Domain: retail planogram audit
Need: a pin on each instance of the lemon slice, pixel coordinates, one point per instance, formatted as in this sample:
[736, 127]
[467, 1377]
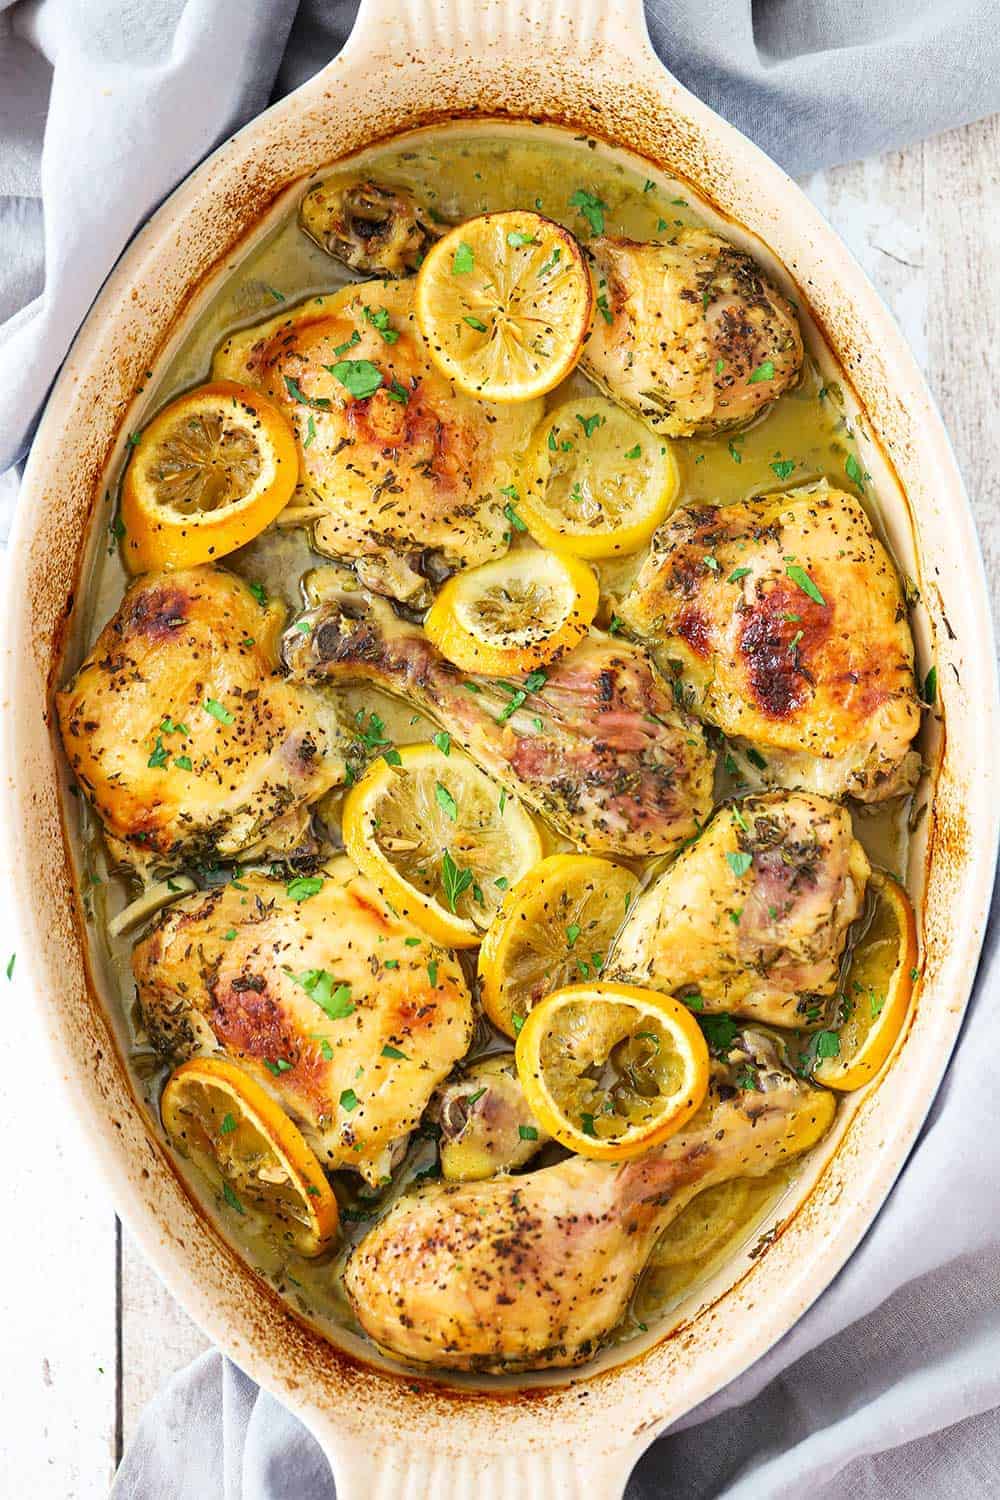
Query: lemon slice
[515, 613]
[504, 302]
[439, 839]
[611, 1070]
[596, 481]
[555, 927]
[243, 1142]
[207, 475]
[876, 991]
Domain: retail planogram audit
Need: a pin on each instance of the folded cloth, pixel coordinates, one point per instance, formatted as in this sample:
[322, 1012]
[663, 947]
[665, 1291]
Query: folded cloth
[885, 1386]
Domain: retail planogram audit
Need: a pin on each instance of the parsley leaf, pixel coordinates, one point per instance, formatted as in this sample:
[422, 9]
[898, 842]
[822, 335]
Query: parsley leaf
[455, 881]
[591, 208]
[463, 260]
[333, 999]
[801, 577]
[358, 376]
[763, 371]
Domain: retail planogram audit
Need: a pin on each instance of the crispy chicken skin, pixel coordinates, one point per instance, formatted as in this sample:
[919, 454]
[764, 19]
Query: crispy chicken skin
[754, 916]
[413, 468]
[823, 691]
[692, 337]
[316, 998]
[599, 749]
[181, 731]
[373, 228]
[534, 1271]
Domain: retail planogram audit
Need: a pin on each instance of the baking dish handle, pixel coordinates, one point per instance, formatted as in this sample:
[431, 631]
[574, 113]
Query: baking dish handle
[383, 1471]
[560, 29]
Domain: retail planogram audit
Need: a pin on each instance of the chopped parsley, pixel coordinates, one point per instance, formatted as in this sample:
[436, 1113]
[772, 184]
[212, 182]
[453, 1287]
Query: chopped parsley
[304, 886]
[763, 371]
[232, 1199]
[800, 577]
[739, 861]
[591, 208]
[358, 376]
[446, 802]
[217, 710]
[463, 260]
[333, 999]
[455, 881]
[321, 403]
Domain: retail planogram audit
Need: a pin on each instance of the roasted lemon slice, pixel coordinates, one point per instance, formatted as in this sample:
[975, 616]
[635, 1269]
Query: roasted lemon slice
[439, 839]
[504, 302]
[515, 613]
[243, 1141]
[596, 481]
[207, 475]
[611, 1070]
[555, 927]
[876, 992]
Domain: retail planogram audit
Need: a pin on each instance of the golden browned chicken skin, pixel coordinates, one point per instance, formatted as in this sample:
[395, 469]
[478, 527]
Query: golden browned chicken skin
[786, 622]
[690, 335]
[752, 918]
[399, 476]
[595, 743]
[183, 734]
[534, 1271]
[321, 998]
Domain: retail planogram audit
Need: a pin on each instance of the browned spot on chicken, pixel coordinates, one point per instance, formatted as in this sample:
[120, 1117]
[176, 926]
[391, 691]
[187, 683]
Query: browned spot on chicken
[157, 613]
[694, 628]
[779, 632]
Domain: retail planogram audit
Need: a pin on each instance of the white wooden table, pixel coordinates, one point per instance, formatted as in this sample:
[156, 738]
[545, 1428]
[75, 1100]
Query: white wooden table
[87, 1333]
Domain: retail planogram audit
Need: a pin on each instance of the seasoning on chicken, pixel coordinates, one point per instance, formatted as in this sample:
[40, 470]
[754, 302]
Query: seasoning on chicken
[182, 732]
[398, 470]
[349, 1016]
[595, 743]
[691, 335]
[753, 918]
[534, 1271]
[785, 621]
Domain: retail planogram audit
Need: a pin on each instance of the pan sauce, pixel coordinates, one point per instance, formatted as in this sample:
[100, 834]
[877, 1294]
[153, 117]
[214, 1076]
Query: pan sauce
[461, 172]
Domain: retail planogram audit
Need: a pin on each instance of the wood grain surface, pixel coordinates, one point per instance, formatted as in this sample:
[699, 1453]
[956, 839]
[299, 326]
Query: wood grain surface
[89, 1334]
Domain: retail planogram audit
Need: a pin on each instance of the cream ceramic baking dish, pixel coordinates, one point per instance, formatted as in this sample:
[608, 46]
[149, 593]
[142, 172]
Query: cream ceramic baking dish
[587, 65]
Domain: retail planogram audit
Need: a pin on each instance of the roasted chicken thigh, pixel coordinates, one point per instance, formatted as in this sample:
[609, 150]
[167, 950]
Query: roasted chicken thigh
[753, 917]
[534, 1271]
[785, 621]
[595, 743]
[346, 1013]
[692, 337]
[183, 734]
[399, 470]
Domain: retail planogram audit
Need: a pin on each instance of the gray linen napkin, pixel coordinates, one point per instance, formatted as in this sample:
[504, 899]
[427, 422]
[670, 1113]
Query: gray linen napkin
[890, 1384]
